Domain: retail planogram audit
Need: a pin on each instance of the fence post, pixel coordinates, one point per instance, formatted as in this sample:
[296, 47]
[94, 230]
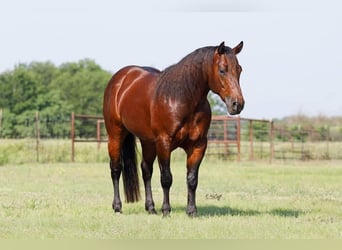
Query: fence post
[225, 137]
[271, 141]
[98, 133]
[238, 137]
[37, 135]
[0, 122]
[251, 149]
[72, 135]
[328, 139]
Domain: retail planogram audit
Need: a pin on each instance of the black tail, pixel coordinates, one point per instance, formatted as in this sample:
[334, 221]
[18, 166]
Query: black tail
[130, 169]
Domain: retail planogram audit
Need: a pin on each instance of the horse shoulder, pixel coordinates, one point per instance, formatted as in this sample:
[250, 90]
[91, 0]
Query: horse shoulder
[200, 122]
[195, 127]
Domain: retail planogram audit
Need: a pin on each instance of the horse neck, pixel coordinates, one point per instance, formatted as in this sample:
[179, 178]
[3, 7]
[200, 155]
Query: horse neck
[203, 69]
[187, 81]
[197, 82]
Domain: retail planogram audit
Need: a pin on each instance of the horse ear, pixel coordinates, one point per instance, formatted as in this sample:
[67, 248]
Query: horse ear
[238, 48]
[221, 49]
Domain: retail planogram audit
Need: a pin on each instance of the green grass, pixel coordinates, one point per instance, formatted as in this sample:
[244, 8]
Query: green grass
[23, 151]
[239, 201]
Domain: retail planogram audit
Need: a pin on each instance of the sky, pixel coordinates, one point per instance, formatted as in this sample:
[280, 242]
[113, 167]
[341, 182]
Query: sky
[291, 60]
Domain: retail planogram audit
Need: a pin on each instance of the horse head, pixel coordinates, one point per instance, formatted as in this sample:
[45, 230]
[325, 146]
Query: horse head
[225, 77]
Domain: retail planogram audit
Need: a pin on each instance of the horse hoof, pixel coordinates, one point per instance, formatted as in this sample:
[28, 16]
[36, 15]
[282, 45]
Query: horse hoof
[152, 211]
[117, 210]
[192, 213]
[166, 214]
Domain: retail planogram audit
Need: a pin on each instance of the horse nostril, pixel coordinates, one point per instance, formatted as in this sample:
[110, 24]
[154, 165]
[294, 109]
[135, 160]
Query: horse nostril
[235, 105]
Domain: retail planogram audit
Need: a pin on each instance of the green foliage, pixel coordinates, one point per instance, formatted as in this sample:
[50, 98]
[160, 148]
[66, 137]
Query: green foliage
[53, 91]
[218, 107]
[261, 130]
[302, 128]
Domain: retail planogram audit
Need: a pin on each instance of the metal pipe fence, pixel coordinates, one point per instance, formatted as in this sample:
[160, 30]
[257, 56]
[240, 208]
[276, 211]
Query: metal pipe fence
[231, 138]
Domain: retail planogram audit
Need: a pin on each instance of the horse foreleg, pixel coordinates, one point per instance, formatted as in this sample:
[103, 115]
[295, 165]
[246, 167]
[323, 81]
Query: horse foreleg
[195, 155]
[149, 155]
[164, 153]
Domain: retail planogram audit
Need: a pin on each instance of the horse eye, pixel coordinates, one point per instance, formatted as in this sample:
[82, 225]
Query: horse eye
[222, 72]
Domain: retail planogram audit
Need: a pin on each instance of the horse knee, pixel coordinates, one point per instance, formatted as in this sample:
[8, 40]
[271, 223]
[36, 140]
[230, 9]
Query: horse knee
[192, 180]
[166, 180]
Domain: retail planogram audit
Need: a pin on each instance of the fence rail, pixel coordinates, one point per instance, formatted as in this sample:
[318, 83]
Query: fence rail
[233, 138]
[241, 138]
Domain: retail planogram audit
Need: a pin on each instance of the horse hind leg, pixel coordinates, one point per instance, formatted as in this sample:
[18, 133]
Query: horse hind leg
[164, 153]
[116, 168]
[148, 157]
[115, 174]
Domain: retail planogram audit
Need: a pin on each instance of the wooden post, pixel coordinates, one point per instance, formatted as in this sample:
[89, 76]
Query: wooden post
[328, 139]
[72, 135]
[0, 121]
[225, 138]
[271, 141]
[37, 135]
[98, 133]
[238, 137]
[251, 148]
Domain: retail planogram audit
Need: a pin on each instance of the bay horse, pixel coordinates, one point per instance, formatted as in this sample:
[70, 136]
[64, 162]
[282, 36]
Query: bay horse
[165, 110]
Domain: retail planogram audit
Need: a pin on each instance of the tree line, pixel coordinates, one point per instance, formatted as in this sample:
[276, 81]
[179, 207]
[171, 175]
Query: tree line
[55, 92]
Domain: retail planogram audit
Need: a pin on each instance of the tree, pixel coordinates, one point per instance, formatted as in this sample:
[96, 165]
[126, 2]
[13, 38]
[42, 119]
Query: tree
[81, 85]
[53, 91]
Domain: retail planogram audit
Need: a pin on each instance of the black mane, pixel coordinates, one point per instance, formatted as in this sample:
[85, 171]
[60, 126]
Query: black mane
[182, 81]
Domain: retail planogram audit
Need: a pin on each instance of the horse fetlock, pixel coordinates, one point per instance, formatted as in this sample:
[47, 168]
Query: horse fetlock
[149, 207]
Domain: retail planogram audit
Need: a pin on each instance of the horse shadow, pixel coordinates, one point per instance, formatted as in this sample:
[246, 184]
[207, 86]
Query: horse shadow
[211, 211]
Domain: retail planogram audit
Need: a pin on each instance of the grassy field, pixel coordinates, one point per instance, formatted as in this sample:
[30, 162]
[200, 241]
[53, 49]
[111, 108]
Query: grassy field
[235, 200]
[23, 151]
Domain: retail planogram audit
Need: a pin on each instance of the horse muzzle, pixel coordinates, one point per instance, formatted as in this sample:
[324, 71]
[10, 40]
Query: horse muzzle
[234, 105]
